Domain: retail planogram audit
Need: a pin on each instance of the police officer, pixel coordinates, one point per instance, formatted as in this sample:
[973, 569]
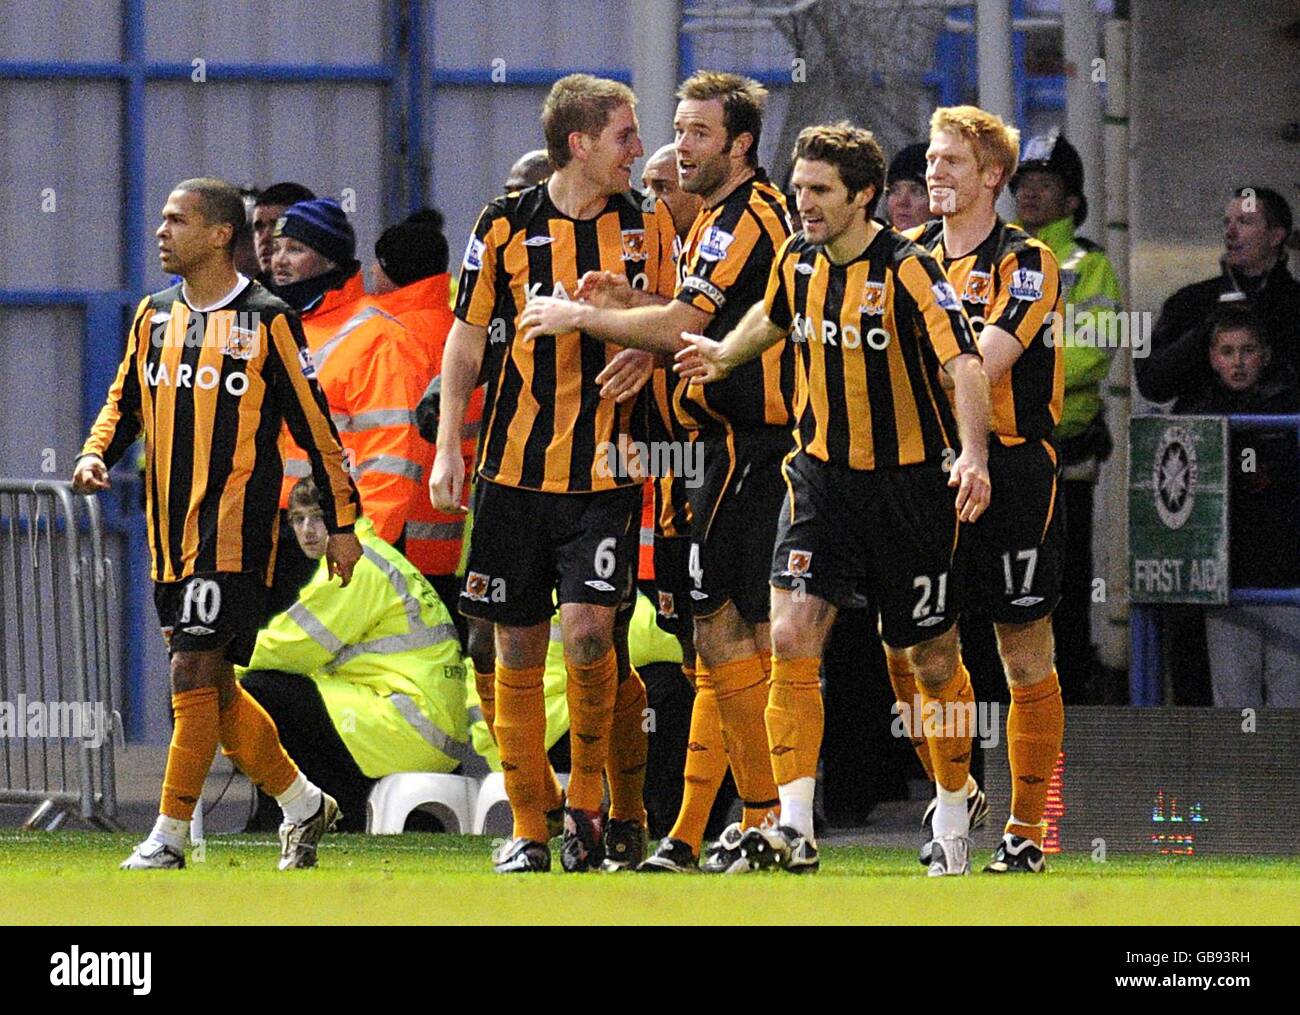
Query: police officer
[1050, 204]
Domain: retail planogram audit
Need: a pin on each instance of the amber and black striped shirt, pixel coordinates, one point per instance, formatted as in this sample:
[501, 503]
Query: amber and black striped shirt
[1012, 280]
[872, 334]
[546, 427]
[723, 271]
[672, 509]
[210, 391]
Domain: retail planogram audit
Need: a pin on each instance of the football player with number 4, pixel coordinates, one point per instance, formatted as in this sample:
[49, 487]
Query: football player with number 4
[868, 508]
[1009, 284]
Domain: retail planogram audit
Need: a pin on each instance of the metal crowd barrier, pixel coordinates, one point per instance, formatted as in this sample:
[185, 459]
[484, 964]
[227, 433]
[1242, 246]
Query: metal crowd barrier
[1146, 663]
[58, 713]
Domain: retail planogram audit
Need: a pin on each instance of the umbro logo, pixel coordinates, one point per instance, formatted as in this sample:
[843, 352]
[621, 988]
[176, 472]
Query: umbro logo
[588, 738]
[695, 745]
[538, 241]
[1032, 780]
[804, 269]
[600, 586]
[697, 594]
[781, 749]
[1027, 601]
[198, 629]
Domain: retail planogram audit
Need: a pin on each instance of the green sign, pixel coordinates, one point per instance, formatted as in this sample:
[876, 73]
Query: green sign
[1178, 509]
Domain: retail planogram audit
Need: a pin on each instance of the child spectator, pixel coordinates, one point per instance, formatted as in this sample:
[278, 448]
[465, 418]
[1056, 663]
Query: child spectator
[1255, 650]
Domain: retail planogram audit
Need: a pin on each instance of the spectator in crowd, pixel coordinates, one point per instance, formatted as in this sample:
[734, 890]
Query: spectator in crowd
[1257, 223]
[362, 681]
[246, 262]
[1050, 204]
[271, 203]
[371, 368]
[1255, 650]
[411, 282]
[531, 168]
[906, 198]
[660, 179]
[1254, 271]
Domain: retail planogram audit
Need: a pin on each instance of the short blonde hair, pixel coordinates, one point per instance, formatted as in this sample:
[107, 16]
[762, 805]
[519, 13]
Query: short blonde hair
[996, 143]
[580, 102]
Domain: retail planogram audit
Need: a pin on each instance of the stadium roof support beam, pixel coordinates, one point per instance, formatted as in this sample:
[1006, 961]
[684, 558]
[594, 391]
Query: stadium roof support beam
[993, 58]
[1081, 39]
[654, 70]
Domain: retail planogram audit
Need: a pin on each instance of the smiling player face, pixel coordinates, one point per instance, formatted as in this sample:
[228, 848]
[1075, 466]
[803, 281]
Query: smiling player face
[953, 177]
[612, 152]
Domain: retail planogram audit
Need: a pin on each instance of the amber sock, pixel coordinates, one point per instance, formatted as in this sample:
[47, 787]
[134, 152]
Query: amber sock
[194, 742]
[795, 718]
[521, 736]
[628, 745]
[950, 754]
[591, 694]
[706, 763]
[742, 698]
[903, 681]
[1035, 731]
[485, 684]
[249, 738]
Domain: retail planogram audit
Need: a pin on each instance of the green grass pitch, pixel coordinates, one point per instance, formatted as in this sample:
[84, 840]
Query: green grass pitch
[71, 878]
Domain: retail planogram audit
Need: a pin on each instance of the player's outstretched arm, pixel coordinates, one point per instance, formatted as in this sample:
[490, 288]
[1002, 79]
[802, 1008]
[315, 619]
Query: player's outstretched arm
[461, 359]
[704, 360]
[970, 472]
[654, 328]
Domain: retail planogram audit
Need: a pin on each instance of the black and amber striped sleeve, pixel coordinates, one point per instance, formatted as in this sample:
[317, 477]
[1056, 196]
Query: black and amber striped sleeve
[665, 281]
[945, 322]
[1029, 285]
[476, 294]
[718, 260]
[302, 405]
[778, 300]
[119, 422]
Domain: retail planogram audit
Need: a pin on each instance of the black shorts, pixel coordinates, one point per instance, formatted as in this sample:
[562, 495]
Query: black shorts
[206, 612]
[734, 514]
[1010, 560]
[674, 608]
[847, 533]
[528, 546]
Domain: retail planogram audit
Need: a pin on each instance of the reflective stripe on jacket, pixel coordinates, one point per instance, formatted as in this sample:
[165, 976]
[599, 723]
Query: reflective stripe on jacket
[372, 371]
[386, 659]
[433, 539]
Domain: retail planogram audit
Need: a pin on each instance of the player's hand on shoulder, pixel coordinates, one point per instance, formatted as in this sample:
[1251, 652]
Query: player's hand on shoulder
[626, 374]
[701, 359]
[605, 289]
[342, 553]
[970, 474]
[90, 475]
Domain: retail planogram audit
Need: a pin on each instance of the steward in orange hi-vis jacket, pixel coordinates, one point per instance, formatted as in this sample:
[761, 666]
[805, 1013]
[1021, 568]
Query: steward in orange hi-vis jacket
[410, 281]
[371, 368]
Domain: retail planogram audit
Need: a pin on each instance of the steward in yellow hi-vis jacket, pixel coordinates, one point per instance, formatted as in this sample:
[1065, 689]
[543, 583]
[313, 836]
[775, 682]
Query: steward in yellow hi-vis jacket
[385, 687]
[646, 643]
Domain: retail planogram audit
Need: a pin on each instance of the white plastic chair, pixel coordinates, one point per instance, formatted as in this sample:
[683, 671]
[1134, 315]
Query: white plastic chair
[492, 794]
[449, 798]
